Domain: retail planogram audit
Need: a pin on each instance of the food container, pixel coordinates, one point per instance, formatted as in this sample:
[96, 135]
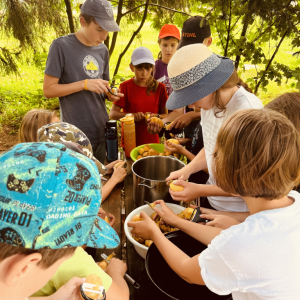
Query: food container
[142, 249]
[158, 147]
[165, 279]
[149, 178]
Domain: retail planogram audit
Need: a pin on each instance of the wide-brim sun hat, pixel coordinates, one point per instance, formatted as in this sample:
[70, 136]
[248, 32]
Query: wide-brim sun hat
[142, 55]
[194, 73]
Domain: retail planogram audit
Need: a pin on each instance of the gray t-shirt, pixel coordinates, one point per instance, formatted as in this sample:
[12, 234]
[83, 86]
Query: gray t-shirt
[71, 61]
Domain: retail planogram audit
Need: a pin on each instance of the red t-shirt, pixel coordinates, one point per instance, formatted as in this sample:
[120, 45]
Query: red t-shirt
[136, 100]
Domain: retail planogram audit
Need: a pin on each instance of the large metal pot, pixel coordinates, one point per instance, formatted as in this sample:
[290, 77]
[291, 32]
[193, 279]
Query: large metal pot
[149, 178]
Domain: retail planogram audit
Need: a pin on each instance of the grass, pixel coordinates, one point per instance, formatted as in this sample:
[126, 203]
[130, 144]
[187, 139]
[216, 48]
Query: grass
[20, 94]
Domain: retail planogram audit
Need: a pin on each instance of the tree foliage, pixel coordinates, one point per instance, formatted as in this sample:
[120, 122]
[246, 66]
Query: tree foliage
[28, 21]
[244, 28]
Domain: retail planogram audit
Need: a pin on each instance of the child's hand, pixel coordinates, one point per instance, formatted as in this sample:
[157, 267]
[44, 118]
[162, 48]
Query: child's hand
[220, 221]
[69, 291]
[102, 214]
[98, 86]
[116, 266]
[153, 128]
[174, 149]
[166, 213]
[190, 192]
[180, 174]
[183, 141]
[144, 229]
[110, 167]
[119, 174]
[181, 122]
[138, 116]
[116, 97]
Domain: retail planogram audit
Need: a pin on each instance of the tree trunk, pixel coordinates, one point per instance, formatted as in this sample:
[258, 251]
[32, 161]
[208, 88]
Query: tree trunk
[70, 15]
[118, 21]
[228, 32]
[131, 40]
[270, 61]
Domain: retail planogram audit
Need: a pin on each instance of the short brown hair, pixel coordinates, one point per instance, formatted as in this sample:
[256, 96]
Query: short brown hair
[288, 104]
[257, 154]
[49, 256]
[166, 38]
[32, 121]
[233, 81]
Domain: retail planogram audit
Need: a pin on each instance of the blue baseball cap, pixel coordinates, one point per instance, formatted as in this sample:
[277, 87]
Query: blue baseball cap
[49, 198]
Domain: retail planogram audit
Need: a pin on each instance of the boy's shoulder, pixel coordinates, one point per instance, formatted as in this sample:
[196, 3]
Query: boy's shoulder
[264, 227]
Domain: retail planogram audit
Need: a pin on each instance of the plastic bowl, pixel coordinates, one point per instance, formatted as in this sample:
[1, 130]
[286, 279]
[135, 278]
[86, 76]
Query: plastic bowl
[142, 249]
[158, 147]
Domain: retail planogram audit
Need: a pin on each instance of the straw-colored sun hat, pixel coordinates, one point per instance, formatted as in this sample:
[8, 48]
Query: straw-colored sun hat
[195, 72]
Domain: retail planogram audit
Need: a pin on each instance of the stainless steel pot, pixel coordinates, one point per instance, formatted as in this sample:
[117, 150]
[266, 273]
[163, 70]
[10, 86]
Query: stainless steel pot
[149, 178]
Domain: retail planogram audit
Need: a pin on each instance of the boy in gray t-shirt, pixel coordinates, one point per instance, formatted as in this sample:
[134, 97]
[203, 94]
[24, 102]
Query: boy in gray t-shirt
[77, 72]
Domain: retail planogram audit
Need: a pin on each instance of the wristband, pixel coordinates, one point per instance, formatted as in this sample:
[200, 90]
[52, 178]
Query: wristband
[85, 84]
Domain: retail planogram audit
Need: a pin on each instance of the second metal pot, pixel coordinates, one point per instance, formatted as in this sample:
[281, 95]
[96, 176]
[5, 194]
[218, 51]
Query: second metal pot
[149, 178]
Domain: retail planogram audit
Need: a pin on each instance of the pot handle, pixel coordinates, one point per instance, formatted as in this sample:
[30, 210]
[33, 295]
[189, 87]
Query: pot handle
[149, 187]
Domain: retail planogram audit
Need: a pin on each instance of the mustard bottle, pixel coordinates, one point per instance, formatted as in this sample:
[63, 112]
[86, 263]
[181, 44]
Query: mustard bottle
[129, 133]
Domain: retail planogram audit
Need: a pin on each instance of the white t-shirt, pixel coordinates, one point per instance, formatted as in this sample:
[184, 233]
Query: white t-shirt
[258, 259]
[211, 127]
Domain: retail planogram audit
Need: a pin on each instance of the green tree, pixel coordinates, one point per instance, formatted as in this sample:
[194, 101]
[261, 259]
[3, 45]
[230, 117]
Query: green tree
[28, 21]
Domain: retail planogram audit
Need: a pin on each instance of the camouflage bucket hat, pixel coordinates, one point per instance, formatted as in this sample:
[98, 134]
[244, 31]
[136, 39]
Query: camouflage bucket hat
[64, 132]
[49, 198]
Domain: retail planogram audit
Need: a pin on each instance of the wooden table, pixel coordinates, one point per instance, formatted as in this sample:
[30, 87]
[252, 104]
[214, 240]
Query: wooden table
[135, 263]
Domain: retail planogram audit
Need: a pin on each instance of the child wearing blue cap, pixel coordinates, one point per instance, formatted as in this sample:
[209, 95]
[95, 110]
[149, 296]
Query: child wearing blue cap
[49, 200]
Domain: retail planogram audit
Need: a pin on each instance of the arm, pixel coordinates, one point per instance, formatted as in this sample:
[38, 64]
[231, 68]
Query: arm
[197, 164]
[240, 216]
[115, 112]
[187, 268]
[119, 289]
[52, 88]
[180, 150]
[192, 191]
[173, 115]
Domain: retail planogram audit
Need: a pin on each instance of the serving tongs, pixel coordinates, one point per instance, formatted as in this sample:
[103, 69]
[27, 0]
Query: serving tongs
[126, 276]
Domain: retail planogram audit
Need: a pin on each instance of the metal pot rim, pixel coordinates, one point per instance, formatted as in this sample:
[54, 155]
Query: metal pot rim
[169, 157]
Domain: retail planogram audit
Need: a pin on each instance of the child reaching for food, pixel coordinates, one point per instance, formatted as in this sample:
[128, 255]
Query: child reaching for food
[142, 94]
[243, 260]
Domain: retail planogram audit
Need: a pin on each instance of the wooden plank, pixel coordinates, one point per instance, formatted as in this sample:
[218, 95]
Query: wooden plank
[113, 205]
[135, 263]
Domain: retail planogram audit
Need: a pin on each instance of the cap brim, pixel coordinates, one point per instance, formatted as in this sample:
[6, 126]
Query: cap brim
[108, 25]
[143, 61]
[170, 34]
[201, 88]
[102, 236]
[101, 168]
[183, 43]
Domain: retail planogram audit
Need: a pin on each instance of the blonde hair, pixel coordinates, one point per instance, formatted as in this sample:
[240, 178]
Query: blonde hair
[257, 154]
[32, 121]
[49, 256]
[233, 81]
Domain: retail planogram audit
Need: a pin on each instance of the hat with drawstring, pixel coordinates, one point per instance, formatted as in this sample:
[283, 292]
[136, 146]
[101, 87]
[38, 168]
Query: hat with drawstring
[194, 73]
[49, 198]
